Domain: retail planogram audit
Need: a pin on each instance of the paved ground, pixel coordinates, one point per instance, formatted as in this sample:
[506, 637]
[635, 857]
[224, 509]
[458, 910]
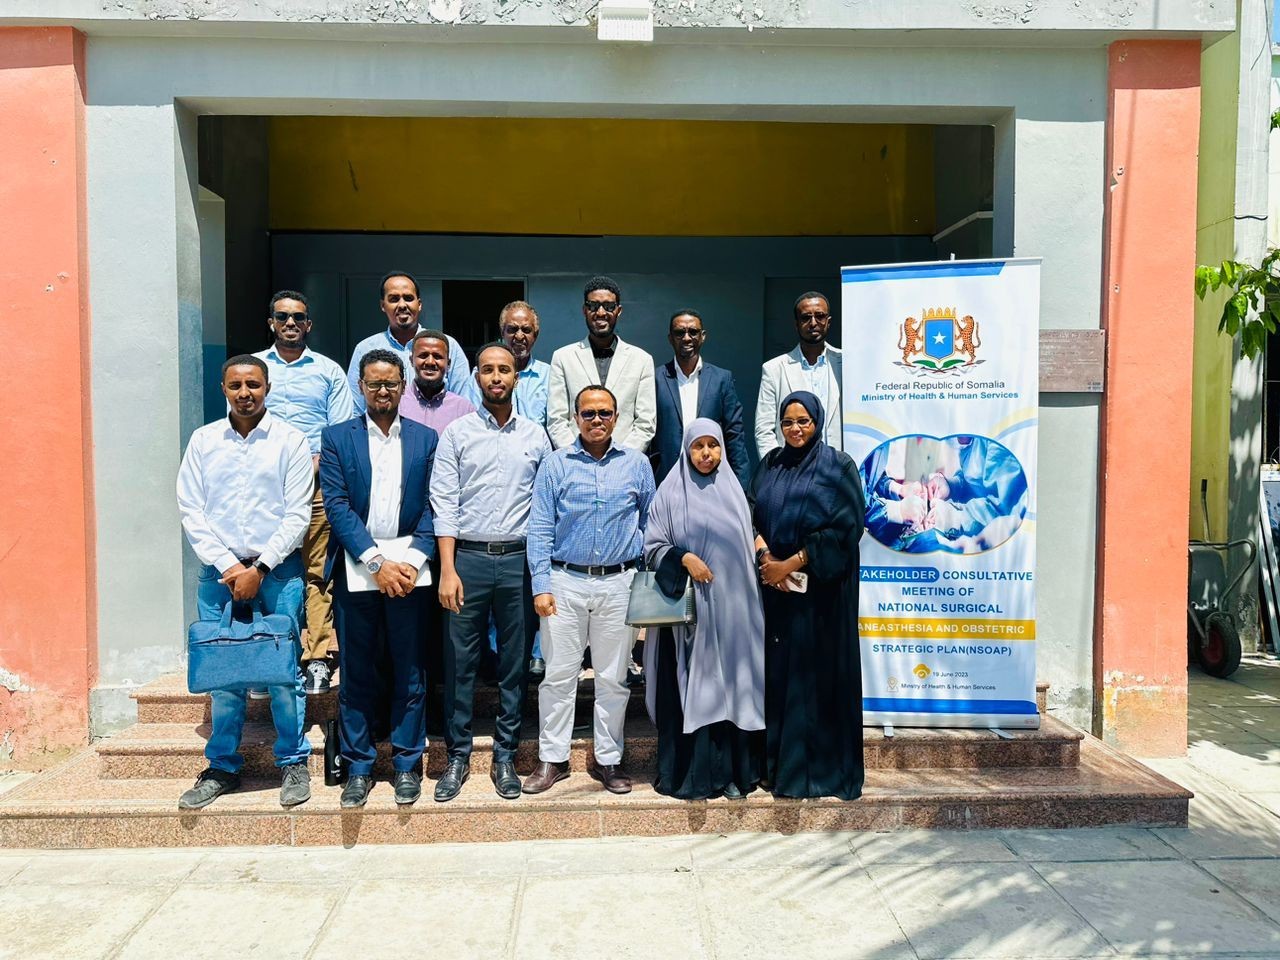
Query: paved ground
[1212, 890]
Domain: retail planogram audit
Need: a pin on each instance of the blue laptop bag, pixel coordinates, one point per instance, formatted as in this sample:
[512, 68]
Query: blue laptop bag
[231, 654]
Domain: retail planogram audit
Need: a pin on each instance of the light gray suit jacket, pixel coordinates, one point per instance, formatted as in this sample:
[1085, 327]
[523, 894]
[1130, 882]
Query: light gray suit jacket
[783, 375]
[630, 378]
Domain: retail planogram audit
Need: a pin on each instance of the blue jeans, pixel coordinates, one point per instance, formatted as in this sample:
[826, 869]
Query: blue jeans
[282, 591]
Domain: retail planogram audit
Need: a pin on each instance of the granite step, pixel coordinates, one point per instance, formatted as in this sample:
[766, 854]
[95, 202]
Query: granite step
[174, 750]
[72, 806]
[166, 700]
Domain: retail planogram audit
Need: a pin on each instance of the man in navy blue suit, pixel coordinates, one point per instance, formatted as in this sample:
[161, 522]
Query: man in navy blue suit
[688, 388]
[375, 472]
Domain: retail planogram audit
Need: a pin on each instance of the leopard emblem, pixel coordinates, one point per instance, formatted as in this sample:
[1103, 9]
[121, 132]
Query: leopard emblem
[910, 339]
[967, 340]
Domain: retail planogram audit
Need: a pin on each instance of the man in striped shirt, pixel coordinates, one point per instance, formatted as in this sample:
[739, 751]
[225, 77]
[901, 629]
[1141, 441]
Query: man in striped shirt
[586, 530]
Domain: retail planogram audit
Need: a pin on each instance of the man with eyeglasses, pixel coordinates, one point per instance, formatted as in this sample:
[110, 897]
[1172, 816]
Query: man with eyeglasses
[401, 303]
[603, 358]
[518, 326]
[689, 388]
[308, 391]
[586, 530]
[376, 473]
[814, 365]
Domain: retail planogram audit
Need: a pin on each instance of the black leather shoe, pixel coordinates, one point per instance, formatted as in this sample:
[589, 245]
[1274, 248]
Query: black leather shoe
[408, 784]
[450, 783]
[356, 792]
[731, 792]
[505, 781]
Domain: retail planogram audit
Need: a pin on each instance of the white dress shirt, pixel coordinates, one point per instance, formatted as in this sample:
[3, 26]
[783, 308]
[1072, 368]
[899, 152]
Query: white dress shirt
[385, 489]
[248, 496]
[688, 387]
[818, 374]
[482, 481]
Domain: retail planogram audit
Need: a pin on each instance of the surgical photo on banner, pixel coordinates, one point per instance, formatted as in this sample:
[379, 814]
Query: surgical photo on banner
[941, 409]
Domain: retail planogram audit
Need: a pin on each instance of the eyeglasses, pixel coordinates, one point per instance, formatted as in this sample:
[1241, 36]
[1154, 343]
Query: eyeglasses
[820, 317]
[377, 386]
[802, 422]
[605, 415]
[511, 330]
[595, 306]
[687, 334]
[281, 316]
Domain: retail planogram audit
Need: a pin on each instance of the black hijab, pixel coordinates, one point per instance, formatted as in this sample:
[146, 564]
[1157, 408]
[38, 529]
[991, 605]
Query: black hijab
[796, 494]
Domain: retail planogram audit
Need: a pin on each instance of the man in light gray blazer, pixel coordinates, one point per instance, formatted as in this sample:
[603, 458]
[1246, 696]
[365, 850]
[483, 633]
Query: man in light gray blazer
[814, 365]
[602, 358]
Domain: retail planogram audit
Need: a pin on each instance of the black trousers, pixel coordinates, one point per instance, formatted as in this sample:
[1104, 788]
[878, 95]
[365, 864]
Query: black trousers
[489, 584]
[377, 630]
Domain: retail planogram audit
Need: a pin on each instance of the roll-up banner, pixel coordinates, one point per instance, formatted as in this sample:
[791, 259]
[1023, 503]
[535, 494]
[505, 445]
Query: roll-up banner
[941, 400]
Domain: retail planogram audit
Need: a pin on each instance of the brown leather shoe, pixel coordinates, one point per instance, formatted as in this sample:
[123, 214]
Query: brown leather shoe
[545, 777]
[611, 775]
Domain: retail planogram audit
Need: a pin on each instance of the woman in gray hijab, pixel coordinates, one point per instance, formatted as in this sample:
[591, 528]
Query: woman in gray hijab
[706, 682]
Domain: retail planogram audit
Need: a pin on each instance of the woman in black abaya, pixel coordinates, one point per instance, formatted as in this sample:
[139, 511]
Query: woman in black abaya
[808, 508]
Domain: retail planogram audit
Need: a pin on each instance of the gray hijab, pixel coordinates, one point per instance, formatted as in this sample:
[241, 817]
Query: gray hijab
[720, 660]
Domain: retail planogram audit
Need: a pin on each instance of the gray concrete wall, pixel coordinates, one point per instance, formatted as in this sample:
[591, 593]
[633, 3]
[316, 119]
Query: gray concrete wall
[998, 18]
[1047, 106]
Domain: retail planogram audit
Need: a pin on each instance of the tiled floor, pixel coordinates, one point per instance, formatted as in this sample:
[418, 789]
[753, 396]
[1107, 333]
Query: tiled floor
[1212, 890]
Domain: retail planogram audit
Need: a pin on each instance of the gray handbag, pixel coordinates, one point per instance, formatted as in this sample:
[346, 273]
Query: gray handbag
[650, 607]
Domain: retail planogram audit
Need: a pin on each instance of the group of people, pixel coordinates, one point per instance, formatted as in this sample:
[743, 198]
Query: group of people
[511, 506]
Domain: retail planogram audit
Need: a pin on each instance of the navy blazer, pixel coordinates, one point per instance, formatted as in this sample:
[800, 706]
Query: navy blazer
[346, 476]
[717, 400]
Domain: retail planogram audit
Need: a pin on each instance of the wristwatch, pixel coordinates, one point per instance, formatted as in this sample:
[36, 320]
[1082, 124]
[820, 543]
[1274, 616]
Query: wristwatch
[261, 567]
[374, 564]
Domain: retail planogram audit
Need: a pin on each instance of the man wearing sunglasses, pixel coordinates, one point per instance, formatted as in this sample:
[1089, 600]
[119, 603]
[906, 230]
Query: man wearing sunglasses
[603, 358]
[586, 530]
[814, 365]
[310, 392]
[689, 388]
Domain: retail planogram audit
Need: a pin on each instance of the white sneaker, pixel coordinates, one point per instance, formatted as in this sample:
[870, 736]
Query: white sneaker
[259, 693]
[316, 678]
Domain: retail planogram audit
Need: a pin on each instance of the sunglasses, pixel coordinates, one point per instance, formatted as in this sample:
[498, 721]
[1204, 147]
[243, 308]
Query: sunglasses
[820, 317]
[592, 306]
[377, 386]
[802, 422]
[605, 415]
[281, 316]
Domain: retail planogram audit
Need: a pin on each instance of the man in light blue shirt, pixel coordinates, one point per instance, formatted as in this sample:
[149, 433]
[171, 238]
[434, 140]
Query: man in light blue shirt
[402, 305]
[586, 531]
[309, 392]
[518, 325]
[481, 489]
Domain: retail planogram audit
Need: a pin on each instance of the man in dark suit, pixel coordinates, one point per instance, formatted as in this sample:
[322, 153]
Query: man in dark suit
[689, 388]
[375, 472]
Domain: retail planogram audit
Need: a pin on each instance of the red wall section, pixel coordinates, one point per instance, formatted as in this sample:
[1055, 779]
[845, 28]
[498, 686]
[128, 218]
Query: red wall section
[48, 642]
[1140, 648]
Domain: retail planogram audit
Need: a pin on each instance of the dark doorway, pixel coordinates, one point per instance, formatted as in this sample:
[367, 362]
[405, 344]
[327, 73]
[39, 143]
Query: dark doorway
[469, 309]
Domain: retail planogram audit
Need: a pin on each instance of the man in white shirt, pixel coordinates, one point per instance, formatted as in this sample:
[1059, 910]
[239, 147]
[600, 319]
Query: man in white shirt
[244, 494]
[481, 490]
[814, 365]
[375, 471]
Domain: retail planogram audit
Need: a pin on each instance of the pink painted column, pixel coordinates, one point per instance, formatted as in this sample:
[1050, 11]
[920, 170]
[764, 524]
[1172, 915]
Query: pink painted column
[1140, 655]
[48, 642]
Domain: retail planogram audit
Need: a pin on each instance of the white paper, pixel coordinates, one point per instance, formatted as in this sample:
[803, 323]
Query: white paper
[359, 579]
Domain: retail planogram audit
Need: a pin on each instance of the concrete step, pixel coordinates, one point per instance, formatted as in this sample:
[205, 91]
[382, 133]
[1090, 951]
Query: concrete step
[73, 806]
[166, 700]
[174, 750]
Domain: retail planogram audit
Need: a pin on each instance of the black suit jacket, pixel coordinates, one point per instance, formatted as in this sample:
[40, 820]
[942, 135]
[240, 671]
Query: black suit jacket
[717, 400]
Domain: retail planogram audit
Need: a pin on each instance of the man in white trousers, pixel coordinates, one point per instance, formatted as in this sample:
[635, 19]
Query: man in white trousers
[586, 530]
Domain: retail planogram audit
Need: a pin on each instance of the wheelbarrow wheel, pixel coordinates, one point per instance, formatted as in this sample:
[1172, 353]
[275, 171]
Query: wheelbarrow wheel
[1219, 654]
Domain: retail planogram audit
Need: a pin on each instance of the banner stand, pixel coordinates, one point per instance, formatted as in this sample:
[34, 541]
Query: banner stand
[941, 406]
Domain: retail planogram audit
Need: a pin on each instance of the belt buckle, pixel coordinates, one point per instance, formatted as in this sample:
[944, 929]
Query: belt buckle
[489, 549]
[599, 570]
